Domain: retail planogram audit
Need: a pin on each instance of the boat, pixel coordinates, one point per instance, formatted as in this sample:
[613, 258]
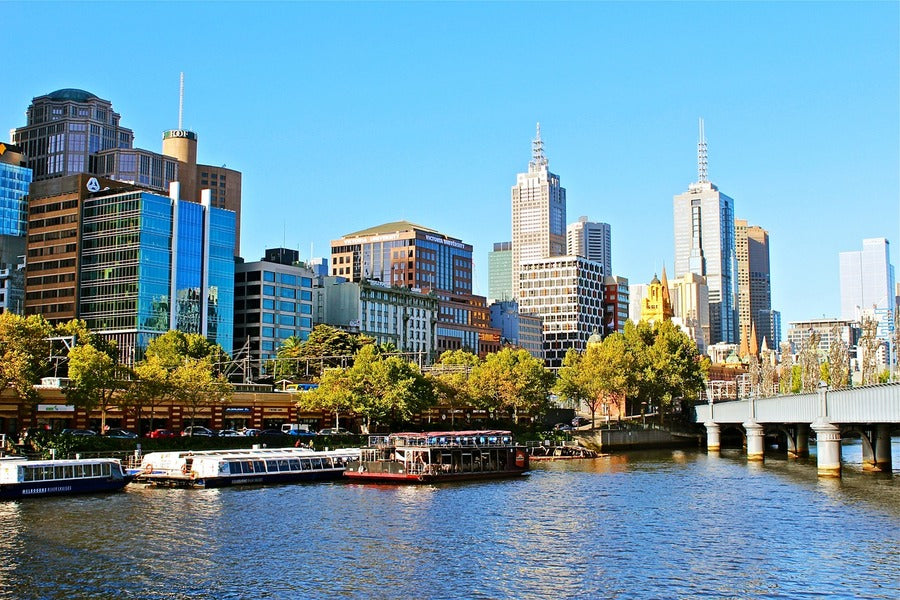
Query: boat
[222, 468]
[23, 478]
[433, 457]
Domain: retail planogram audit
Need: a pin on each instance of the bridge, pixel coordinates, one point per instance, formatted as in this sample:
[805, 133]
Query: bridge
[872, 412]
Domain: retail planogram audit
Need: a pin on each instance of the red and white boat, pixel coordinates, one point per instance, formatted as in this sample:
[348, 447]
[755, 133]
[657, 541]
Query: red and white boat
[437, 456]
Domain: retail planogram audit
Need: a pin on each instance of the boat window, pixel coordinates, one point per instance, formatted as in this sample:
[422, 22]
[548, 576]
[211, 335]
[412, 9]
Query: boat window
[30, 473]
[306, 466]
[79, 470]
[317, 463]
[95, 469]
[104, 469]
[68, 472]
[57, 473]
[271, 466]
[294, 464]
[259, 466]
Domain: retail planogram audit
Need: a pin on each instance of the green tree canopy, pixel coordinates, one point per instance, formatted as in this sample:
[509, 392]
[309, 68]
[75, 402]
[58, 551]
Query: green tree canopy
[450, 380]
[511, 380]
[24, 352]
[174, 347]
[94, 380]
[326, 347]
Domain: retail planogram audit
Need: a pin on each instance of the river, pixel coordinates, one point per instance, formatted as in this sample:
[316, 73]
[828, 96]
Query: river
[662, 524]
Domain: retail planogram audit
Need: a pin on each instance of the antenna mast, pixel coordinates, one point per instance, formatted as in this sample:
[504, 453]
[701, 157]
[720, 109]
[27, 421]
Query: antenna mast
[702, 157]
[181, 102]
[537, 150]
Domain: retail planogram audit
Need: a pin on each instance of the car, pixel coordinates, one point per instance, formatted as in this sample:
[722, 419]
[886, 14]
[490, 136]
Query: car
[122, 434]
[229, 433]
[301, 433]
[334, 431]
[161, 433]
[197, 430]
[270, 432]
[580, 421]
[562, 427]
[78, 432]
[250, 432]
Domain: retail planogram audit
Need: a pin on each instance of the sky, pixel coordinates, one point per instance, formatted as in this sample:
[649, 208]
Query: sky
[343, 116]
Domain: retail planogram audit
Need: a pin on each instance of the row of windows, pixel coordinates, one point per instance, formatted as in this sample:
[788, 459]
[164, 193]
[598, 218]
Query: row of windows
[66, 292]
[53, 206]
[50, 264]
[51, 279]
[52, 222]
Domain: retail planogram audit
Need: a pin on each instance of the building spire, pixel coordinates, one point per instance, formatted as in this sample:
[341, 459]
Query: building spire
[181, 101]
[702, 157]
[537, 150]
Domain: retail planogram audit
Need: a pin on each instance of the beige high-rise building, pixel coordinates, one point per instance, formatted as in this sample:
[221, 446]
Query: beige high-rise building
[538, 213]
[690, 303]
[751, 245]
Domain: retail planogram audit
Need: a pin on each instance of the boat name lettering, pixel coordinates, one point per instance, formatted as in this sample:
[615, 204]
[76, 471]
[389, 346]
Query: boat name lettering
[47, 490]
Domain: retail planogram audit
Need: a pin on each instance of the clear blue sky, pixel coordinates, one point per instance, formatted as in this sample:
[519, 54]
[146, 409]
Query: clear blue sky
[345, 116]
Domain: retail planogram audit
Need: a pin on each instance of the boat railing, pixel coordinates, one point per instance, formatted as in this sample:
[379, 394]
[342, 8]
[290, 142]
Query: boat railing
[487, 441]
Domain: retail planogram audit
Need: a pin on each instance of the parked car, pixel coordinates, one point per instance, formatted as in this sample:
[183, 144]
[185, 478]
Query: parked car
[271, 432]
[301, 433]
[78, 432]
[122, 434]
[250, 432]
[161, 433]
[580, 422]
[197, 430]
[334, 431]
[229, 433]
[562, 427]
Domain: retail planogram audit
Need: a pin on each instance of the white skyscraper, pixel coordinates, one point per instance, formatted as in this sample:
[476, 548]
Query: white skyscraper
[867, 279]
[592, 241]
[704, 245]
[538, 213]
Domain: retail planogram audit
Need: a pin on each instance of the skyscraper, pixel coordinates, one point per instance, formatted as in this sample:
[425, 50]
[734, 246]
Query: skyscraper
[592, 241]
[754, 282]
[538, 213]
[500, 273]
[704, 245]
[867, 278]
[15, 178]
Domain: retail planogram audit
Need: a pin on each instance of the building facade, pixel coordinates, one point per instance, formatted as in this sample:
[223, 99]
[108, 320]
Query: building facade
[567, 293]
[690, 305]
[518, 329]
[754, 281]
[867, 278]
[800, 331]
[403, 254]
[705, 245]
[273, 301]
[657, 306]
[500, 271]
[538, 213]
[592, 241]
[616, 302]
[15, 179]
[151, 263]
[389, 314]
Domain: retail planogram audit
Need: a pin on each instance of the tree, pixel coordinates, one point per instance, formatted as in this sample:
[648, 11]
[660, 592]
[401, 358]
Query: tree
[511, 380]
[150, 387]
[24, 352]
[450, 380]
[667, 367]
[389, 388]
[785, 379]
[838, 360]
[194, 384]
[95, 378]
[326, 347]
[810, 372]
[868, 347]
[174, 348]
[333, 394]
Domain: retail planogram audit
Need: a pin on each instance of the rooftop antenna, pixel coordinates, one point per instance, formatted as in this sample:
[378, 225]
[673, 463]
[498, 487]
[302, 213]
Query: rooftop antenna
[537, 149]
[702, 157]
[181, 101]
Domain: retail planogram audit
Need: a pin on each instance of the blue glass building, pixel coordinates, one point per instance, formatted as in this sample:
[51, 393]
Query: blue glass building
[15, 179]
[151, 263]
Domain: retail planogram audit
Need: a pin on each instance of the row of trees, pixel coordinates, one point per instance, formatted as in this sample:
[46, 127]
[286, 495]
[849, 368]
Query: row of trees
[178, 367]
[648, 365]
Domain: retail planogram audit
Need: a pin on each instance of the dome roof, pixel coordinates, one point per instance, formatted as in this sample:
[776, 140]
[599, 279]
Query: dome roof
[72, 94]
[595, 338]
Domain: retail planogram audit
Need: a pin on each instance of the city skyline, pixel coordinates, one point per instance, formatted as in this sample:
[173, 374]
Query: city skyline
[425, 118]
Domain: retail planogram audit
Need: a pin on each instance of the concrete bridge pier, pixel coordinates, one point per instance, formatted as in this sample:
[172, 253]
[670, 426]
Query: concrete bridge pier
[828, 448]
[800, 441]
[756, 437]
[713, 438]
[883, 448]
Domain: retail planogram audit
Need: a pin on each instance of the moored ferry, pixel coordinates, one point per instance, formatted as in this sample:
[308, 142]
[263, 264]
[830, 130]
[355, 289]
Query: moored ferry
[220, 468]
[433, 457]
[22, 478]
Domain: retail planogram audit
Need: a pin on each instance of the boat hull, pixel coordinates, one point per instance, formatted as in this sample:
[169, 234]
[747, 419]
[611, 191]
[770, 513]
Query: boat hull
[244, 479]
[408, 478]
[15, 491]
